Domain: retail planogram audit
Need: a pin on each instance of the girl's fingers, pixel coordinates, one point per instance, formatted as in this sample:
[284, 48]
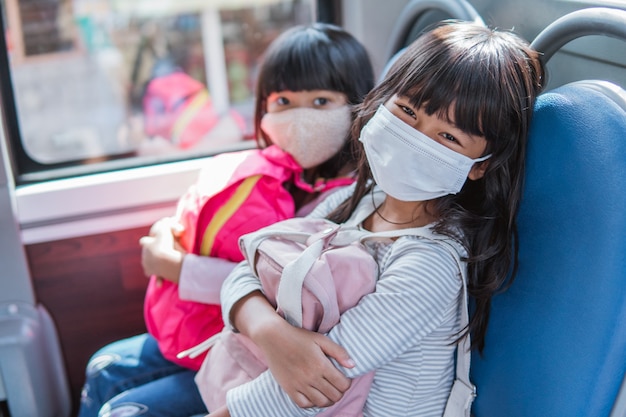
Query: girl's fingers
[321, 394]
[302, 400]
[177, 229]
[336, 352]
[338, 381]
[329, 391]
[320, 398]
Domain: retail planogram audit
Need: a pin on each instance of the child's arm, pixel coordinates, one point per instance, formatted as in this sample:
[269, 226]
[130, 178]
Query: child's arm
[298, 358]
[303, 376]
[416, 289]
[201, 278]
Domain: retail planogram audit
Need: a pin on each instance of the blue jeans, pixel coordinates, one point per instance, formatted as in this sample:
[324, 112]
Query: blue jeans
[131, 377]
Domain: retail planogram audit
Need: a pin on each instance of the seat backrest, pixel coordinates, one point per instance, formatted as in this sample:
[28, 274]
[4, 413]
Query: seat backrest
[592, 21]
[556, 342]
[419, 15]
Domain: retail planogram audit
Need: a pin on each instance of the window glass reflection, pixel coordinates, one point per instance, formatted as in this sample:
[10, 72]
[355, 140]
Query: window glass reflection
[106, 79]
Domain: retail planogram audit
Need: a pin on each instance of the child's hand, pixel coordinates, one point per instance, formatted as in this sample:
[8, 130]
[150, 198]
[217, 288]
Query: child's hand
[167, 225]
[220, 412]
[298, 359]
[161, 255]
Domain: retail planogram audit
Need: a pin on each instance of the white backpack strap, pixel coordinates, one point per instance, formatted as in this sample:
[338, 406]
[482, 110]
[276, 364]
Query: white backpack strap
[289, 293]
[463, 349]
[463, 391]
[201, 347]
[424, 231]
[249, 243]
[289, 296]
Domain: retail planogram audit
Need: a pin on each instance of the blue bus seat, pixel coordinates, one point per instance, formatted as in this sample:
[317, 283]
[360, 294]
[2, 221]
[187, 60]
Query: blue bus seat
[556, 342]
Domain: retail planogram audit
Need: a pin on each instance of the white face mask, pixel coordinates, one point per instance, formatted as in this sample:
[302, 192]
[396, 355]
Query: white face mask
[311, 136]
[407, 164]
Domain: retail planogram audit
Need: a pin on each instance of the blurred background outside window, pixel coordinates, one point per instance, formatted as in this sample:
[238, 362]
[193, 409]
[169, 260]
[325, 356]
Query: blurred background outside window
[147, 80]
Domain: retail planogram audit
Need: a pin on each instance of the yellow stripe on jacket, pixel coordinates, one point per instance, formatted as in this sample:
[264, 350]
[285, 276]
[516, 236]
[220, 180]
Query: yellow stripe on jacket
[226, 212]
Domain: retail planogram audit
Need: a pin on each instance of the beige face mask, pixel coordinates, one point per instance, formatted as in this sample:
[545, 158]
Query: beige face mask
[310, 136]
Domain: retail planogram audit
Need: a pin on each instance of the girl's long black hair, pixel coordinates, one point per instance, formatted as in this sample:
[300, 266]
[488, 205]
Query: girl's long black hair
[316, 57]
[488, 79]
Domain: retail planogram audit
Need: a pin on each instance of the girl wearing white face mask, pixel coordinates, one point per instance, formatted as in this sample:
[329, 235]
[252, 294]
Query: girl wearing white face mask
[442, 144]
[309, 79]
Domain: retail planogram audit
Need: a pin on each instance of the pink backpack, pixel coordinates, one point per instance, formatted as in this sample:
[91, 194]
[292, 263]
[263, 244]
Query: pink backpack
[224, 207]
[311, 271]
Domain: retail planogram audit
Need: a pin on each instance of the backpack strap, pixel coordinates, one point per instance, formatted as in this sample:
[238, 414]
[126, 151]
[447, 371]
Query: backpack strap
[463, 356]
[463, 391]
[289, 295]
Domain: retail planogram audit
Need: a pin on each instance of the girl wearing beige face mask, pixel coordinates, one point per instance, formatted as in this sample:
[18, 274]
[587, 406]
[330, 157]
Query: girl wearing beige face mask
[309, 125]
[308, 81]
[307, 85]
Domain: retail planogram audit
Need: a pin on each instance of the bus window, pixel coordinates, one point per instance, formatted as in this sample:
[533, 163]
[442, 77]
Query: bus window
[135, 81]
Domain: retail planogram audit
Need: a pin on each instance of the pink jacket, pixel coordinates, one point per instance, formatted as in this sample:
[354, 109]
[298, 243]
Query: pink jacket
[244, 194]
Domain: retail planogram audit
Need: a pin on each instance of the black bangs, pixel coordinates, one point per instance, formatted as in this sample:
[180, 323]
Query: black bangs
[458, 93]
[298, 69]
[468, 82]
[320, 57]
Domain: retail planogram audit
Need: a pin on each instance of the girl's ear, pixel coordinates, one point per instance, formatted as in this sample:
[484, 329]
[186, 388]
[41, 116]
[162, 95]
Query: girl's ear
[478, 170]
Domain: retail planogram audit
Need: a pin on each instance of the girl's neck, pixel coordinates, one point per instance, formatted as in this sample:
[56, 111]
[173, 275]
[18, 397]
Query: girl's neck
[394, 214]
[309, 175]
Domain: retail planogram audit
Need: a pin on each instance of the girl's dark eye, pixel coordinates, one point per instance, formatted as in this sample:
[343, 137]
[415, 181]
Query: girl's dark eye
[449, 137]
[407, 110]
[283, 101]
[320, 101]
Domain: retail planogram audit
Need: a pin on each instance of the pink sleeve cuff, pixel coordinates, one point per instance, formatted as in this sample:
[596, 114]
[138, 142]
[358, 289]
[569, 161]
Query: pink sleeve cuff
[201, 278]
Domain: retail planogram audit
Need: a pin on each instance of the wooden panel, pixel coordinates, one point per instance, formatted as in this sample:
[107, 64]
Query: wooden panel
[93, 288]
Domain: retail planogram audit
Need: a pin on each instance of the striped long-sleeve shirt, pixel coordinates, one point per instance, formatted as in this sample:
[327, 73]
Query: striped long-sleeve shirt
[403, 331]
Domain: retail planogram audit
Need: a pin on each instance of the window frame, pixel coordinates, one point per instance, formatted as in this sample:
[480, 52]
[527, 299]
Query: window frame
[26, 170]
[65, 200]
